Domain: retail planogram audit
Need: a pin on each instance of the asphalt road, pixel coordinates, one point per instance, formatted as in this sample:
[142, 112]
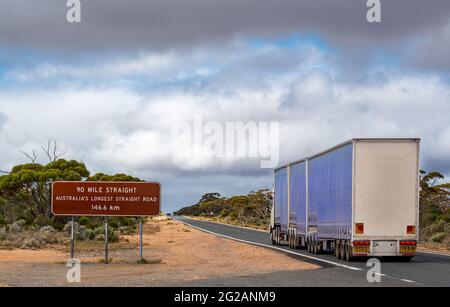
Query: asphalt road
[424, 270]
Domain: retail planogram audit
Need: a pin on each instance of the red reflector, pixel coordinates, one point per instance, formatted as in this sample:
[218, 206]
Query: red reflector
[410, 229]
[361, 243]
[359, 228]
[408, 242]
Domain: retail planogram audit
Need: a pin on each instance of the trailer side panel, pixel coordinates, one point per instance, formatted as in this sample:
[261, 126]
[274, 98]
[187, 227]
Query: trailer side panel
[281, 198]
[297, 213]
[330, 193]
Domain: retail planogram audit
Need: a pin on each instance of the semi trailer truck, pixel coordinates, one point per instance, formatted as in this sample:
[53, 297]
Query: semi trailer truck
[357, 199]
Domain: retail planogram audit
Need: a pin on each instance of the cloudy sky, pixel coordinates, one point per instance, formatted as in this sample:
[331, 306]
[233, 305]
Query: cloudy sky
[110, 88]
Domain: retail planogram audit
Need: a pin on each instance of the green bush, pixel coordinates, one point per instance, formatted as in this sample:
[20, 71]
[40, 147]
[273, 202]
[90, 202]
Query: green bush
[99, 234]
[2, 221]
[233, 215]
[438, 237]
[224, 213]
[84, 220]
[42, 220]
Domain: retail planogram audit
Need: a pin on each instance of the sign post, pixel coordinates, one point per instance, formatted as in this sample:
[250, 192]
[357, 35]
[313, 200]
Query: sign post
[141, 258]
[106, 240]
[72, 239]
[95, 198]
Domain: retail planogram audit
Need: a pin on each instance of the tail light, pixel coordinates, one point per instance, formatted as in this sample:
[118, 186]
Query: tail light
[361, 243]
[359, 228]
[411, 229]
[408, 242]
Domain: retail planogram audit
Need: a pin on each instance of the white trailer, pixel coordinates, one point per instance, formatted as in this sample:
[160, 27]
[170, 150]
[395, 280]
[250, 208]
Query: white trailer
[359, 198]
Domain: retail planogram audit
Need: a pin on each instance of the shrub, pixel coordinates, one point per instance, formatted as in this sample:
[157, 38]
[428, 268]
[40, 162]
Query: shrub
[42, 220]
[84, 221]
[3, 233]
[224, 212]
[30, 243]
[17, 226]
[438, 237]
[99, 234]
[48, 229]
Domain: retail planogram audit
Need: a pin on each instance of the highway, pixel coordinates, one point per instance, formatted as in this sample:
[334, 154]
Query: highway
[425, 269]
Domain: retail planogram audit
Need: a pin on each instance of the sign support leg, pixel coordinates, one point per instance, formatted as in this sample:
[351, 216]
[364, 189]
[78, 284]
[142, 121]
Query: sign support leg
[106, 240]
[72, 239]
[140, 240]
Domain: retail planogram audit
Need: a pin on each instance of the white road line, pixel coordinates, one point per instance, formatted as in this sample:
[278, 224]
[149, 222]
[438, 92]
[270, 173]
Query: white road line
[407, 280]
[277, 248]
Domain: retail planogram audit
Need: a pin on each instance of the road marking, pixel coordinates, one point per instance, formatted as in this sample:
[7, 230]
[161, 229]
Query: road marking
[407, 280]
[275, 247]
[232, 226]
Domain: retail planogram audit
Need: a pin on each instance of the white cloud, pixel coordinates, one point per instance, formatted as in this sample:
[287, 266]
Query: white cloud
[122, 129]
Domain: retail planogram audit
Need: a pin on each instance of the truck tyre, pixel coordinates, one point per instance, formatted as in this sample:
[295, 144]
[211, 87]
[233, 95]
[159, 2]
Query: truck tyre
[308, 246]
[343, 250]
[337, 249]
[272, 236]
[319, 247]
[349, 253]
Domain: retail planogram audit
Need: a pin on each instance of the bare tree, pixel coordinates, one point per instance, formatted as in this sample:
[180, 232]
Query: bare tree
[51, 150]
[32, 156]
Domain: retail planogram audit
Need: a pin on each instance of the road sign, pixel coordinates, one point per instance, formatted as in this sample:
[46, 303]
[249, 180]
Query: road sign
[89, 198]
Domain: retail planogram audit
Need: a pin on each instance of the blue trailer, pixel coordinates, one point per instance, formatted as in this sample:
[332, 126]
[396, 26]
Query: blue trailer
[359, 198]
[297, 203]
[280, 205]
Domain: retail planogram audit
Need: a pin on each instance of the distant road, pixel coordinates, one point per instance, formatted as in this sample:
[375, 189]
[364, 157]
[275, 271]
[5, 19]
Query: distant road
[424, 270]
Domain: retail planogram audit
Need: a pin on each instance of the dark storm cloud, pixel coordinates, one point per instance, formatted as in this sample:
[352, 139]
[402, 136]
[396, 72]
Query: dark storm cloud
[162, 24]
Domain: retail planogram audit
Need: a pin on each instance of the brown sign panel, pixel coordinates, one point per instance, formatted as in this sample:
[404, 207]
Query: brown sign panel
[89, 198]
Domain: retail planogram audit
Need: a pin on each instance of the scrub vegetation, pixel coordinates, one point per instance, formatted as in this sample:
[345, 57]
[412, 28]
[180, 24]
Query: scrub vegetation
[434, 209]
[252, 209]
[26, 220]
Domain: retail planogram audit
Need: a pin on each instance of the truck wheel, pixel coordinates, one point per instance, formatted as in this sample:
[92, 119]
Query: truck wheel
[319, 247]
[308, 246]
[343, 250]
[337, 249]
[272, 236]
[349, 253]
[314, 247]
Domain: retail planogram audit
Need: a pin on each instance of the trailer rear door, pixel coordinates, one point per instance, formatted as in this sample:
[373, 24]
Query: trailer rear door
[385, 188]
